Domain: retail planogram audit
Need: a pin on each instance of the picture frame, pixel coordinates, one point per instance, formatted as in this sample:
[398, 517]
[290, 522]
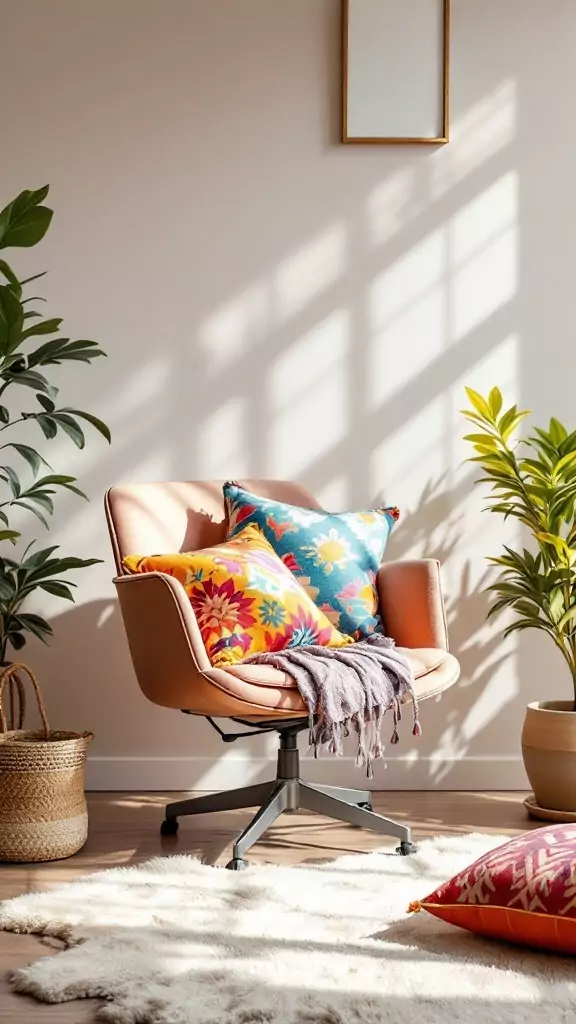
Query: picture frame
[395, 72]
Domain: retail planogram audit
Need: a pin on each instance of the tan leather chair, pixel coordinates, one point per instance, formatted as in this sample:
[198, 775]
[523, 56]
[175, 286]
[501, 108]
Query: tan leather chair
[173, 669]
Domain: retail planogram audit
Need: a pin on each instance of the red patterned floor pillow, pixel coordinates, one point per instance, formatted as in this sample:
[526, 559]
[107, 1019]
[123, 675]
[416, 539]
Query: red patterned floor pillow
[523, 892]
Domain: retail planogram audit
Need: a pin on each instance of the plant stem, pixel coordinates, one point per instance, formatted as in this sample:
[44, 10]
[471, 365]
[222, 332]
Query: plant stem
[14, 422]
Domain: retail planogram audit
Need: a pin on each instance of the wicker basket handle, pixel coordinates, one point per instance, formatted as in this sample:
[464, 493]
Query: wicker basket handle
[5, 676]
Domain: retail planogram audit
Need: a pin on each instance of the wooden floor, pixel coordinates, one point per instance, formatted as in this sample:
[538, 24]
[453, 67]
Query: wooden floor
[124, 830]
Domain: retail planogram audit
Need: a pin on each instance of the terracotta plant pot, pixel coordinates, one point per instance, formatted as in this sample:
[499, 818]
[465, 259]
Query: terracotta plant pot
[549, 751]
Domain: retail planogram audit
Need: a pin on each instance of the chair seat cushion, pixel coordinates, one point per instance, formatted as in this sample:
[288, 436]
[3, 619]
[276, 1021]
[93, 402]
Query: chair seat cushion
[522, 892]
[434, 671]
[245, 599]
[335, 556]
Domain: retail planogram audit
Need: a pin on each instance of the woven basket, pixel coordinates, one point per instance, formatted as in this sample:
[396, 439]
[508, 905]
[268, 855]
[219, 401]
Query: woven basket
[43, 813]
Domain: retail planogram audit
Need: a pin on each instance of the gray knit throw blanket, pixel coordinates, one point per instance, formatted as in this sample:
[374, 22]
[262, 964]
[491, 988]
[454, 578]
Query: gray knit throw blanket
[349, 688]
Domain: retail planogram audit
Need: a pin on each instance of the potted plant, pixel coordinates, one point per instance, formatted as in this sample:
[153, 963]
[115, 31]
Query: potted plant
[30, 345]
[533, 480]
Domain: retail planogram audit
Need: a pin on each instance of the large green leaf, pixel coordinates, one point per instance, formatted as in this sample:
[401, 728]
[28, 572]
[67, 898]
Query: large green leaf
[12, 535]
[496, 467]
[38, 557]
[46, 403]
[485, 449]
[495, 401]
[526, 607]
[556, 605]
[7, 588]
[480, 404]
[16, 638]
[509, 589]
[93, 420]
[558, 543]
[70, 427]
[568, 617]
[474, 417]
[32, 508]
[568, 444]
[564, 463]
[557, 432]
[35, 624]
[32, 457]
[24, 221]
[47, 424]
[543, 440]
[11, 320]
[57, 589]
[32, 379]
[11, 477]
[510, 422]
[71, 562]
[44, 327]
[42, 498]
[561, 494]
[61, 349]
[59, 480]
[57, 566]
[521, 624]
[66, 420]
[484, 439]
[10, 276]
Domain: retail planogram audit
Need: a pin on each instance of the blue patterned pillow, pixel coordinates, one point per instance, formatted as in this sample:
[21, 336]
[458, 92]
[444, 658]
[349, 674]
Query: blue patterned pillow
[335, 557]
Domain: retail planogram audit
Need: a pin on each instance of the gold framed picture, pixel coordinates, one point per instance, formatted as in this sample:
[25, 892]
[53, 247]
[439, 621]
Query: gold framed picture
[395, 71]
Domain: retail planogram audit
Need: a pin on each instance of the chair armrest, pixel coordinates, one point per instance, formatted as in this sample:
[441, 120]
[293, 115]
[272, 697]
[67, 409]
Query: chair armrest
[170, 660]
[163, 634]
[411, 603]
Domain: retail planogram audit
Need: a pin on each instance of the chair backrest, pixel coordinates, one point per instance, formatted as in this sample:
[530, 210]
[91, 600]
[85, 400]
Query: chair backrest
[157, 518]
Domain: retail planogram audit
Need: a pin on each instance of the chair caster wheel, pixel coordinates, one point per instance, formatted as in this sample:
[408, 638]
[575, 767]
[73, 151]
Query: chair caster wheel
[405, 849]
[366, 806]
[169, 827]
[237, 864]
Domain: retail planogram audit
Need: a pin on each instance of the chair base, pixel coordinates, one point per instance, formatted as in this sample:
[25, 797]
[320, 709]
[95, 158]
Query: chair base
[288, 793]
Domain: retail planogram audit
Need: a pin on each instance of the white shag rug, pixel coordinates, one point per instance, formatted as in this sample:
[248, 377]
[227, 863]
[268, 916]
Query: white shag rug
[174, 941]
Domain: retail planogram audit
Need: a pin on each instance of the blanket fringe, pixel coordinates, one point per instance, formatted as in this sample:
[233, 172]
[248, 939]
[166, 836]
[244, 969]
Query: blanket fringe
[369, 732]
[417, 728]
[327, 729]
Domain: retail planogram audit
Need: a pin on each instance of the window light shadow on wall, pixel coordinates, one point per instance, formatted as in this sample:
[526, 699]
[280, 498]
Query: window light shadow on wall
[306, 274]
[221, 442]
[307, 397]
[228, 334]
[477, 136]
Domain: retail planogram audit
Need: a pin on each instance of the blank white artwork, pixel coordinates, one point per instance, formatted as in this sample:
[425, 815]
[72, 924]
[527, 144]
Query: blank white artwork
[395, 69]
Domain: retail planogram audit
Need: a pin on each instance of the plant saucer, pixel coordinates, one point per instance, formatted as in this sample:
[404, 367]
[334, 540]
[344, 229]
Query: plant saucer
[546, 813]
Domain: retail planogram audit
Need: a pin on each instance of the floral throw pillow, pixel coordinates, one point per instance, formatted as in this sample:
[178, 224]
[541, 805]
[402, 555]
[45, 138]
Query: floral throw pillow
[522, 892]
[335, 556]
[245, 599]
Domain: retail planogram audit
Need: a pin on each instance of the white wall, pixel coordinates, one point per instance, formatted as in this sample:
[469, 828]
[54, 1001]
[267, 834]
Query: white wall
[249, 276]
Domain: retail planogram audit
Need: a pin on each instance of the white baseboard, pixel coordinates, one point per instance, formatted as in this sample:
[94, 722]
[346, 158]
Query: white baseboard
[166, 774]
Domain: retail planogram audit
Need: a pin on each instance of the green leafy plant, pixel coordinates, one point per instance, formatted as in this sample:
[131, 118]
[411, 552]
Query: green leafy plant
[532, 480]
[29, 345]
